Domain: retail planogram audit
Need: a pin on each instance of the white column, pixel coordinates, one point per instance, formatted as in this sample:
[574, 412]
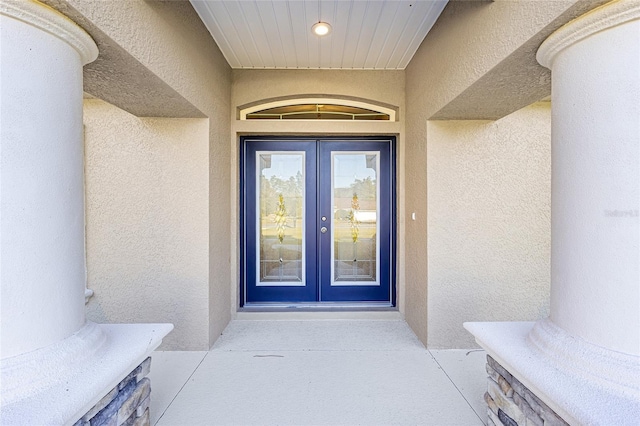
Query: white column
[42, 206]
[595, 196]
[55, 365]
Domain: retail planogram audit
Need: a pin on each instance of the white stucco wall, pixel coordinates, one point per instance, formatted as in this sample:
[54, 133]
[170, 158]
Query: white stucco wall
[42, 267]
[595, 262]
[147, 187]
[489, 222]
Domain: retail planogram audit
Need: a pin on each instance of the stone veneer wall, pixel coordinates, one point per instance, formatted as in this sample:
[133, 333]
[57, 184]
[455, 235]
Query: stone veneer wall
[127, 404]
[510, 403]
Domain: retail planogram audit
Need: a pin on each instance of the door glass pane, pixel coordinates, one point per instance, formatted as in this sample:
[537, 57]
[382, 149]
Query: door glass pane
[355, 200]
[281, 216]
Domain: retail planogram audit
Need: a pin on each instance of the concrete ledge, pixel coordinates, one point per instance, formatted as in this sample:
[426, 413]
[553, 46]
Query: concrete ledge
[577, 398]
[58, 384]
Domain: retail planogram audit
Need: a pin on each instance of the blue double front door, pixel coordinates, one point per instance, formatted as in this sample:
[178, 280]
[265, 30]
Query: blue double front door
[317, 220]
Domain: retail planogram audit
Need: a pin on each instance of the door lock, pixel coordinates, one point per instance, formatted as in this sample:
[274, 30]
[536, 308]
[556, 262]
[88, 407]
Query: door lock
[323, 229]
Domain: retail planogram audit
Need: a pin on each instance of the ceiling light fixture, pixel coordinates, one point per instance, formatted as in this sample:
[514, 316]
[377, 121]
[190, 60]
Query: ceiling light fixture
[321, 29]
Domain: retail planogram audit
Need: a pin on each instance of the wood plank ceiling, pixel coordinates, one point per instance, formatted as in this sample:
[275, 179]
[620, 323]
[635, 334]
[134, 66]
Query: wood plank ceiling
[276, 34]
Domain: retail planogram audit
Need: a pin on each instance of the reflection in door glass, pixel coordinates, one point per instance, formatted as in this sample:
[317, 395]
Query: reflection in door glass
[355, 218]
[281, 218]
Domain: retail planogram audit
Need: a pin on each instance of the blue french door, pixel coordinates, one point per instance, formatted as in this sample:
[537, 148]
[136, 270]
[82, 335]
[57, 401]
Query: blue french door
[317, 221]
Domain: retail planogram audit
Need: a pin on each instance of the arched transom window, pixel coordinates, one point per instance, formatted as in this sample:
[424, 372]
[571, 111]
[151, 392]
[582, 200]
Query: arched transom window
[317, 109]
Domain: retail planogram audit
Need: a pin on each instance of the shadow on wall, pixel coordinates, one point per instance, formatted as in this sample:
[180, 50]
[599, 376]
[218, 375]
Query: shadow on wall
[147, 218]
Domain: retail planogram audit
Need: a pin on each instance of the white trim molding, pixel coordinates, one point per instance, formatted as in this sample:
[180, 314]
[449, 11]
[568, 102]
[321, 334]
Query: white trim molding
[601, 18]
[50, 20]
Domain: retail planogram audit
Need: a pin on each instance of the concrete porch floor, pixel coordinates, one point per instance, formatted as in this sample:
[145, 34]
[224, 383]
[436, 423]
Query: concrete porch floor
[318, 372]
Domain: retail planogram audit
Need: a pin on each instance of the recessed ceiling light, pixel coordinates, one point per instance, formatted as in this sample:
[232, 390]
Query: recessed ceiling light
[321, 29]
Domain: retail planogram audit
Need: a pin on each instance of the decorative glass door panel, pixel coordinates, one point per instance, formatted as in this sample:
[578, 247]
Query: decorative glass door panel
[354, 186]
[317, 221]
[281, 218]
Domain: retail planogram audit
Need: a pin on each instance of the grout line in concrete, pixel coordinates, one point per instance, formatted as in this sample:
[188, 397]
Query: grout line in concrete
[182, 387]
[456, 386]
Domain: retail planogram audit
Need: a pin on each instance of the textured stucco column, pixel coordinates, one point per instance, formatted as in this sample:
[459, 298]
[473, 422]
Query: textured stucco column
[43, 261]
[595, 196]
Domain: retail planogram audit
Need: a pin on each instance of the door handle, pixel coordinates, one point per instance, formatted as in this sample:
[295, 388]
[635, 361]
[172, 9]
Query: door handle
[323, 229]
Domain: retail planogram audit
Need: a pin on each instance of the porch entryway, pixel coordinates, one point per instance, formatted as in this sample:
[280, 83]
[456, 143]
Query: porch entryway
[318, 221]
[371, 371]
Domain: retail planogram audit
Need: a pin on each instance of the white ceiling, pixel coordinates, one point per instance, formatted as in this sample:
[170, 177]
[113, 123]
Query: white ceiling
[381, 34]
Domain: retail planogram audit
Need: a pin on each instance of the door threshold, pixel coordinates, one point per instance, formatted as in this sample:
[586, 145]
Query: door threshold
[317, 306]
[378, 315]
[315, 311]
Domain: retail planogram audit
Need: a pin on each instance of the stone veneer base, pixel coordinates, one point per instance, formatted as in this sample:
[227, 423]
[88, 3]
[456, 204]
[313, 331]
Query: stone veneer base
[127, 404]
[510, 403]
[55, 388]
[578, 398]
